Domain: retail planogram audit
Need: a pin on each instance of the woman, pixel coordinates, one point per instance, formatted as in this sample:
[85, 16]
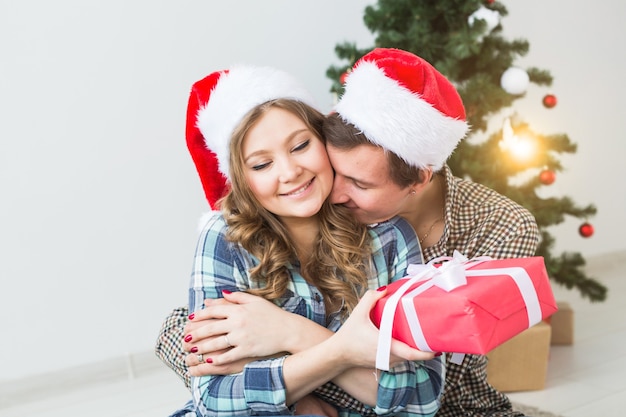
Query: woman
[278, 237]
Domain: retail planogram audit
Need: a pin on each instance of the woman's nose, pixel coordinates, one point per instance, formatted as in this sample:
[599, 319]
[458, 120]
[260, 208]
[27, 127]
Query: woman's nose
[290, 170]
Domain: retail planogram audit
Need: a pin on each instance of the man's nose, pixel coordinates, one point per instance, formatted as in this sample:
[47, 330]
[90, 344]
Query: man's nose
[338, 195]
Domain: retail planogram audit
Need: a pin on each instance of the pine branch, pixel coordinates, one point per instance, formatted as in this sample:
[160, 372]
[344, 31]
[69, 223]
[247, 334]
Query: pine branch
[438, 31]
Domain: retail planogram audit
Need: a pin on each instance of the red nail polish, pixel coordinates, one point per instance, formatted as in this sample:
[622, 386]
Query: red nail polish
[226, 292]
[188, 338]
[194, 349]
[438, 354]
[191, 316]
[209, 360]
[383, 288]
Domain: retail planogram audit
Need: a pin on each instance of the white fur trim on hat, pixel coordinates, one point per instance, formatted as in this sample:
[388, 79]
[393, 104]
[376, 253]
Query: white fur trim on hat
[397, 119]
[236, 93]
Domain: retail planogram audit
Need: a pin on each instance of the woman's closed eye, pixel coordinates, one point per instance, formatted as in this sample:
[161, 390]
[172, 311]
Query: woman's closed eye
[260, 166]
[301, 145]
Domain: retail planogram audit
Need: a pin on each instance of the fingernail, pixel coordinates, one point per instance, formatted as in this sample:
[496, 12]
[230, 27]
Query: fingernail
[226, 292]
[194, 349]
[191, 316]
[209, 360]
[438, 354]
[188, 338]
[383, 288]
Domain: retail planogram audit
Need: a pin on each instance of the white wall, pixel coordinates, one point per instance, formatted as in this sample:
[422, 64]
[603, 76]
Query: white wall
[100, 198]
[581, 44]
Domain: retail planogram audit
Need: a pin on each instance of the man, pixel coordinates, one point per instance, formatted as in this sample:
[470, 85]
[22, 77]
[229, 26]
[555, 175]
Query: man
[388, 139]
[392, 131]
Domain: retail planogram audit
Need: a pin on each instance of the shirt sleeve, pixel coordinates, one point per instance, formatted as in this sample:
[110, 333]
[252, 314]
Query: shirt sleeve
[260, 388]
[168, 346]
[411, 389]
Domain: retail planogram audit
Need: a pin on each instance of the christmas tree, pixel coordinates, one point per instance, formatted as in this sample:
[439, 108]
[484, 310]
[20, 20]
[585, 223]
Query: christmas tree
[463, 40]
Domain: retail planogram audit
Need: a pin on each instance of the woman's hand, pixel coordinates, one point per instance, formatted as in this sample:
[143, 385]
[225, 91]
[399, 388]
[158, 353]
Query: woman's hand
[359, 327]
[245, 327]
[348, 357]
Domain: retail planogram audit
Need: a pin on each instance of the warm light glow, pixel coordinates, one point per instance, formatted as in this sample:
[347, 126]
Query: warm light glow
[521, 148]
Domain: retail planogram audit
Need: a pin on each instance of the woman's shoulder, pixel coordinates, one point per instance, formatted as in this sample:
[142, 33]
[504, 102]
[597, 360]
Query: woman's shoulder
[214, 238]
[212, 220]
[213, 229]
[396, 239]
[393, 228]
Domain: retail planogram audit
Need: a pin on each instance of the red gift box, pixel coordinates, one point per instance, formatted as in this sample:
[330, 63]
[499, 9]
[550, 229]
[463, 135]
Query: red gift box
[463, 306]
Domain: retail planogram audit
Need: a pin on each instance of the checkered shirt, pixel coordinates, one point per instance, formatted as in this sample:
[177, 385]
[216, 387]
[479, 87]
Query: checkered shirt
[410, 389]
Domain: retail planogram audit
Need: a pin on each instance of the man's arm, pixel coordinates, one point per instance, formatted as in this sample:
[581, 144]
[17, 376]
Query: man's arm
[169, 343]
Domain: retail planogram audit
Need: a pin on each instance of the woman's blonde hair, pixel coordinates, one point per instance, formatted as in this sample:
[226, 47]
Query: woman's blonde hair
[339, 264]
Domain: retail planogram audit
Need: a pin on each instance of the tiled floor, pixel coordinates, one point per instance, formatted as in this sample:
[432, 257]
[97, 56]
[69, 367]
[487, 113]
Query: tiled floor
[585, 379]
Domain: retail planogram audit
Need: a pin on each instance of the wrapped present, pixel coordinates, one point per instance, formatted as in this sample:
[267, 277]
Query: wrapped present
[462, 305]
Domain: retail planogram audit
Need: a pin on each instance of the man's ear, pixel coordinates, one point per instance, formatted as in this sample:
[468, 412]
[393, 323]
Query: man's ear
[425, 177]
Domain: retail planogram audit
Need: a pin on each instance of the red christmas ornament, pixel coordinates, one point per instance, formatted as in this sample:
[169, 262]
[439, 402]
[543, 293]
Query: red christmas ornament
[585, 229]
[490, 1]
[549, 101]
[342, 78]
[547, 176]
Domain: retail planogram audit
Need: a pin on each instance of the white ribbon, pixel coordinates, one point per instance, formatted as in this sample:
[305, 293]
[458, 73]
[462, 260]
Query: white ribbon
[448, 276]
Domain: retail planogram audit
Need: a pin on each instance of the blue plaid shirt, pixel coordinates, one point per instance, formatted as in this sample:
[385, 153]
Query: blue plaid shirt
[410, 389]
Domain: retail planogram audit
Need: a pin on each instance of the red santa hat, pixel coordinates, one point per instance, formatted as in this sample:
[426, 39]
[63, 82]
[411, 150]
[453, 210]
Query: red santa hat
[217, 104]
[403, 104]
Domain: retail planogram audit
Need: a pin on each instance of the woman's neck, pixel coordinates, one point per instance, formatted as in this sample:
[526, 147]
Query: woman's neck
[304, 234]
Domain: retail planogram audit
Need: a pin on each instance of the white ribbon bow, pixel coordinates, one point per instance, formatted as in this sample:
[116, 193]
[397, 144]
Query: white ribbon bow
[448, 276]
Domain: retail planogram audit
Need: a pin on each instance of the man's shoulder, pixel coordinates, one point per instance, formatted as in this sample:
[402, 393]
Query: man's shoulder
[485, 222]
[472, 194]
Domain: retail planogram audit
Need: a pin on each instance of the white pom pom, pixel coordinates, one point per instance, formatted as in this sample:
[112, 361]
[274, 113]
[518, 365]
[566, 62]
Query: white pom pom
[514, 81]
[491, 17]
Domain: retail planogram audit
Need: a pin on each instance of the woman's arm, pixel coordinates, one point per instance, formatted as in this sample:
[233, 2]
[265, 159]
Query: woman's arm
[305, 371]
[393, 389]
[314, 359]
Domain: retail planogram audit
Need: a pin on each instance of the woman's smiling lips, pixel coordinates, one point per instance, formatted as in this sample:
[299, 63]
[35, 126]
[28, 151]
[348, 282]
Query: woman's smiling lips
[299, 190]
